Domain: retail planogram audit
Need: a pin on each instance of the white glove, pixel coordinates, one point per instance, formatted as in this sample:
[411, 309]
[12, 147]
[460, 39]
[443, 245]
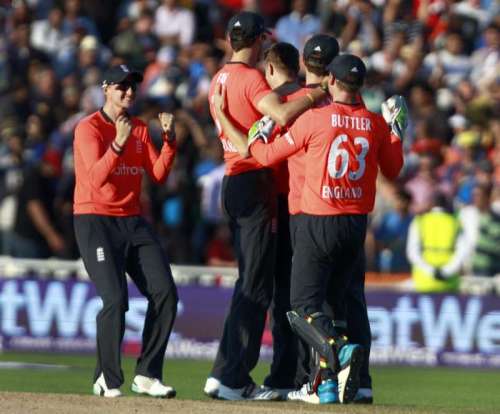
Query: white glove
[261, 129]
[395, 113]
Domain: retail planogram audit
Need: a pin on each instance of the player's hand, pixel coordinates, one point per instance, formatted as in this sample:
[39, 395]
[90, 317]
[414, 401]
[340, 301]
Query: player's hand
[167, 122]
[123, 126]
[219, 98]
[395, 113]
[261, 129]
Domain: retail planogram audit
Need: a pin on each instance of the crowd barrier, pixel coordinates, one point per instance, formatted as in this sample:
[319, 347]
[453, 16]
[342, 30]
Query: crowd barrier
[43, 310]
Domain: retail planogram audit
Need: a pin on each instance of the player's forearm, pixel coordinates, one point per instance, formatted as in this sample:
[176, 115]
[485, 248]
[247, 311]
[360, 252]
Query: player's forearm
[235, 136]
[101, 168]
[284, 113]
[273, 153]
[391, 160]
[158, 167]
[98, 161]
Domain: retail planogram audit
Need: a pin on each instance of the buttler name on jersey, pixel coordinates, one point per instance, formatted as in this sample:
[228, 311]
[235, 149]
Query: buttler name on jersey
[352, 122]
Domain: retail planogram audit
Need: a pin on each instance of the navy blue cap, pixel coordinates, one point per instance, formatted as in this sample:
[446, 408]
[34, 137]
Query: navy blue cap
[349, 69]
[120, 73]
[248, 24]
[322, 47]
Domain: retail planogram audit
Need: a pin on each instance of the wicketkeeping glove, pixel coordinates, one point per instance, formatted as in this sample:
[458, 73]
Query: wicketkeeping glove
[261, 129]
[395, 113]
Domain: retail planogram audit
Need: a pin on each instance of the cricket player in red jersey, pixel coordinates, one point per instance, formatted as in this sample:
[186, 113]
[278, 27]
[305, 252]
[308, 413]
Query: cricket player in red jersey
[345, 146]
[249, 200]
[350, 316]
[112, 150]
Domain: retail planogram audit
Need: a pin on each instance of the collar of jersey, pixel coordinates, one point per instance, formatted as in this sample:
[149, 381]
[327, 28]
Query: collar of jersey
[347, 103]
[106, 117]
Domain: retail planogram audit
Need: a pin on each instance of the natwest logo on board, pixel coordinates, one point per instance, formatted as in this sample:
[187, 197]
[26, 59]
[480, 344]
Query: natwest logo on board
[42, 309]
[436, 323]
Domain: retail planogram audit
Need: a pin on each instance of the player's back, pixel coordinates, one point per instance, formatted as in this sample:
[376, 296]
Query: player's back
[245, 86]
[343, 152]
[296, 163]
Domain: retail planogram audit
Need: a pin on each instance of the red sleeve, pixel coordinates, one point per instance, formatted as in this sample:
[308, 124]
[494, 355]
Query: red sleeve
[390, 154]
[158, 166]
[283, 147]
[256, 88]
[98, 160]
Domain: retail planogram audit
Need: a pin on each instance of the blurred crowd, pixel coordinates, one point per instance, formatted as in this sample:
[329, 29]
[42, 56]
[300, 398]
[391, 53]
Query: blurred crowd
[442, 55]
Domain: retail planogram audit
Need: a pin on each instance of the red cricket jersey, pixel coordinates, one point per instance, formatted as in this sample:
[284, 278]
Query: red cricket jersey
[282, 174]
[297, 163]
[108, 183]
[245, 87]
[344, 147]
[289, 174]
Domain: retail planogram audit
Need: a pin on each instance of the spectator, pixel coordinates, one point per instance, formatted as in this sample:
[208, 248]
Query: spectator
[423, 185]
[486, 261]
[21, 53]
[35, 234]
[391, 235]
[47, 35]
[52, 52]
[470, 217]
[138, 43]
[436, 248]
[363, 23]
[174, 25]
[298, 26]
[74, 20]
[11, 179]
[448, 66]
[486, 60]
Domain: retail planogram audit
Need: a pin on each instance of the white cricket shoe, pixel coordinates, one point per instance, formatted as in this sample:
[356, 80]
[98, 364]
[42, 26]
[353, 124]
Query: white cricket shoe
[249, 393]
[102, 390]
[350, 359]
[303, 395]
[283, 392]
[152, 387]
[212, 387]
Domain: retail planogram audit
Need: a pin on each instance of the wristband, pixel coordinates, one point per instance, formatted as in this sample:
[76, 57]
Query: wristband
[116, 148]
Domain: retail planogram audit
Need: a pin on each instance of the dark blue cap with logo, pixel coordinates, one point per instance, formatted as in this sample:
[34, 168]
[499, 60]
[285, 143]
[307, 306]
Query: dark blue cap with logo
[247, 24]
[322, 47]
[349, 69]
[121, 73]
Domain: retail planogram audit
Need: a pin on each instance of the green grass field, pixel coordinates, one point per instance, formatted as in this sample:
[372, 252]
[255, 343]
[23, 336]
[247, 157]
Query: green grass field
[418, 390]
